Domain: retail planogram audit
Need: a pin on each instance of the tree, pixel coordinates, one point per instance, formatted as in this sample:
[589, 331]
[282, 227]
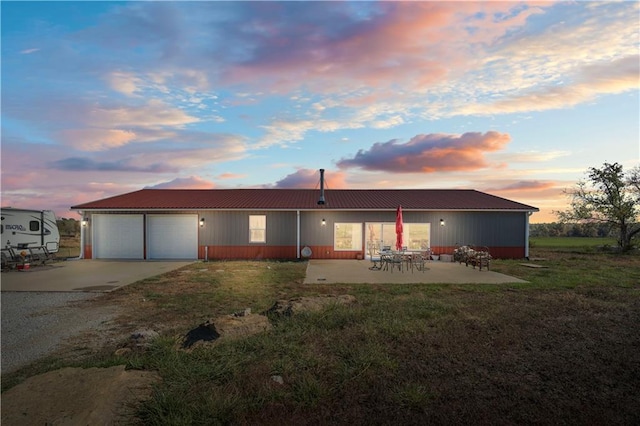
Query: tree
[608, 196]
[634, 181]
[68, 227]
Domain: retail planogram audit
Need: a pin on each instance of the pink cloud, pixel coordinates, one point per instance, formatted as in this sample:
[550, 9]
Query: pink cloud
[60, 192]
[96, 139]
[154, 114]
[613, 77]
[44, 177]
[100, 125]
[191, 182]
[547, 195]
[308, 178]
[429, 153]
[525, 186]
[406, 44]
[123, 82]
[225, 176]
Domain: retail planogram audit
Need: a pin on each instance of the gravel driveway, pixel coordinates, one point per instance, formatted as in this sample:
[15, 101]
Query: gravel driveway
[34, 324]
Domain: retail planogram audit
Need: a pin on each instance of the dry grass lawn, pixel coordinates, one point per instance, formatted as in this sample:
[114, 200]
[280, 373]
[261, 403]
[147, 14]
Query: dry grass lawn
[564, 349]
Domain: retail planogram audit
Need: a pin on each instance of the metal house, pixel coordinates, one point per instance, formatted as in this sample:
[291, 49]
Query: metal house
[297, 223]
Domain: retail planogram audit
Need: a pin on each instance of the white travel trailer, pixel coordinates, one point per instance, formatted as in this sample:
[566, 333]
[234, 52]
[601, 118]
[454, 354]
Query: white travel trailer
[29, 229]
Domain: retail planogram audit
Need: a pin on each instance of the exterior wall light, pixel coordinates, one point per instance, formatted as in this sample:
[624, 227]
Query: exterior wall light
[441, 222]
[85, 221]
[324, 222]
[201, 222]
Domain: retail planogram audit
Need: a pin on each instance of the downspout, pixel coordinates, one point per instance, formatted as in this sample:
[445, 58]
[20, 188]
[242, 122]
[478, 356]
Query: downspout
[81, 255]
[298, 234]
[526, 235]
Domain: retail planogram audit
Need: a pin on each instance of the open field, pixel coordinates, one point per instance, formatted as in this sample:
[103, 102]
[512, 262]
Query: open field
[573, 243]
[561, 349]
[69, 247]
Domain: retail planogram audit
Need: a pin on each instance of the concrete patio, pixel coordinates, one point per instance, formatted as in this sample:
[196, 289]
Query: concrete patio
[325, 271]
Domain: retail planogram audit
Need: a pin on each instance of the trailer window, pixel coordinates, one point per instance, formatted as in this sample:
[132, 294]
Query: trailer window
[34, 225]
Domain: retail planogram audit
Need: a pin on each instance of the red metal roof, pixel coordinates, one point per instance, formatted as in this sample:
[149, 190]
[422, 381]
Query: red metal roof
[304, 199]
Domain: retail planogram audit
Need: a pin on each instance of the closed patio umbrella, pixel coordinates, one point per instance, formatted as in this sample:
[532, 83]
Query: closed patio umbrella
[399, 228]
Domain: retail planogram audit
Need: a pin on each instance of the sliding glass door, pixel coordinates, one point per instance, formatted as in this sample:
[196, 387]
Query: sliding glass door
[416, 236]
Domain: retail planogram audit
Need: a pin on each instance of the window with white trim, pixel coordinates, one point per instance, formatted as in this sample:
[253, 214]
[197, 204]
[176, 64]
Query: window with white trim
[416, 236]
[347, 236]
[257, 228]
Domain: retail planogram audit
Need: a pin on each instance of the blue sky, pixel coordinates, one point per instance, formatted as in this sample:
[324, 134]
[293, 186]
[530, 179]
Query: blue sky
[514, 99]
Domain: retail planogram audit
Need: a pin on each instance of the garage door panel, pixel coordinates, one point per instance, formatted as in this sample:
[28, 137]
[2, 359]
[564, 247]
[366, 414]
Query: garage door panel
[172, 236]
[118, 236]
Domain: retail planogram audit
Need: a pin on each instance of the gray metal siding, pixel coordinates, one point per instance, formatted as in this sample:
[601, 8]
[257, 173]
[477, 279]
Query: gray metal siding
[502, 229]
[231, 228]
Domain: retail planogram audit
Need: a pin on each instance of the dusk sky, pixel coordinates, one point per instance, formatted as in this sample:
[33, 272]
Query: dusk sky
[513, 99]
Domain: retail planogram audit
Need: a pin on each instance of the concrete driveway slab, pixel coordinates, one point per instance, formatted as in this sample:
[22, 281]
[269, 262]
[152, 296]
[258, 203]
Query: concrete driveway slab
[321, 271]
[85, 275]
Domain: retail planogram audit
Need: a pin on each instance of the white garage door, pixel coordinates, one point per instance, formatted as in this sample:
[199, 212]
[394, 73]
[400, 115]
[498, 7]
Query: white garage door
[172, 236]
[118, 236]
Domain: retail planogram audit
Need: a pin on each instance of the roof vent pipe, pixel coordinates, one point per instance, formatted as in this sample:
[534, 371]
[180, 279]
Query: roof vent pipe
[321, 200]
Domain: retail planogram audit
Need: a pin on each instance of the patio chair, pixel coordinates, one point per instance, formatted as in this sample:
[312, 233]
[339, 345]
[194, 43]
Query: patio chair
[375, 256]
[385, 259]
[426, 253]
[394, 260]
[418, 261]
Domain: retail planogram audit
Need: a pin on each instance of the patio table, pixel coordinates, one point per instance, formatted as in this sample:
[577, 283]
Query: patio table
[400, 258]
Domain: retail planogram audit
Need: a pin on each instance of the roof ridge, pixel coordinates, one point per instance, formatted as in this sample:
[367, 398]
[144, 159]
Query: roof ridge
[304, 199]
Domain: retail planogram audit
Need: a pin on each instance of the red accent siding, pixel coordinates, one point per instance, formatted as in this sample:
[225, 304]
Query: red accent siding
[327, 252]
[273, 252]
[507, 252]
[442, 250]
[319, 252]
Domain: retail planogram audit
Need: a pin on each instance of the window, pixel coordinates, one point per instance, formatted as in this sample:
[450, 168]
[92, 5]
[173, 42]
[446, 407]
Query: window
[257, 229]
[34, 225]
[416, 236]
[347, 236]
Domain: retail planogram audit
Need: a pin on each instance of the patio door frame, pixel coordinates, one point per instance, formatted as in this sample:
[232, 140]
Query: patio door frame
[381, 231]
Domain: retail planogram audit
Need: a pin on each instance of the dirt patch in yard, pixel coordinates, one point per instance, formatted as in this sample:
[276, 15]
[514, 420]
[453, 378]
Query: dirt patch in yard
[170, 304]
[76, 396]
